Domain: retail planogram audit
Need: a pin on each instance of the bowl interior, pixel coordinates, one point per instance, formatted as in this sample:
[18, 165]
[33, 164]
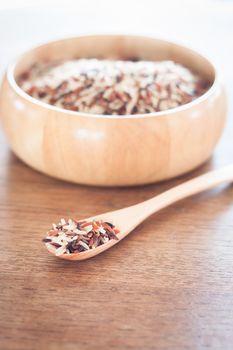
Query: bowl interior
[117, 47]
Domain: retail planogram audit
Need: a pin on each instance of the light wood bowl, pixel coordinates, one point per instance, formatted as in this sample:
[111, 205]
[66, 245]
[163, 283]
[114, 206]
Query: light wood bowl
[112, 150]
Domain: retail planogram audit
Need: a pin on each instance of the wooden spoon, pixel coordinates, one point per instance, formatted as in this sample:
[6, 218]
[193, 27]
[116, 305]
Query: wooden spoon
[128, 218]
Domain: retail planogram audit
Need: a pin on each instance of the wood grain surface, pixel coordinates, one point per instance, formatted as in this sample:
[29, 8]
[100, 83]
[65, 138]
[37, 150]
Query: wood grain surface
[168, 285]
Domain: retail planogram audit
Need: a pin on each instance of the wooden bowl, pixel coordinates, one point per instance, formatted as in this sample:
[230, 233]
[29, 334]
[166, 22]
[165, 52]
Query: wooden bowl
[112, 150]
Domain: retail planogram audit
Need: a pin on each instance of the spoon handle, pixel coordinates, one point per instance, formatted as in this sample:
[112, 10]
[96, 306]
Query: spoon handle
[187, 189]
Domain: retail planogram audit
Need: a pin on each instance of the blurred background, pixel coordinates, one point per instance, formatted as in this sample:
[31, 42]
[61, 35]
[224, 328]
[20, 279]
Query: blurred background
[205, 25]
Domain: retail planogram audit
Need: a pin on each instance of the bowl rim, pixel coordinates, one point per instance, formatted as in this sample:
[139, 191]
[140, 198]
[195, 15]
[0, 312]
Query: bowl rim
[12, 81]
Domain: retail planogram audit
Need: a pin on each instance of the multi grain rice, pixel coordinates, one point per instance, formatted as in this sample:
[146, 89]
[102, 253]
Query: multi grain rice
[112, 87]
[73, 236]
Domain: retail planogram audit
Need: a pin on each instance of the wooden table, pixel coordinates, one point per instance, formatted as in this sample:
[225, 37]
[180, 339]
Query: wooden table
[169, 285]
